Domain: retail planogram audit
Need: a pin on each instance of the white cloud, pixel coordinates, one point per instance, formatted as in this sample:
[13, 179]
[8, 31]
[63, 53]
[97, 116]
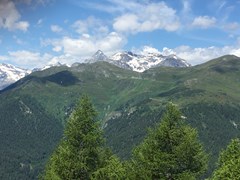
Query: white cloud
[86, 45]
[126, 23]
[57, 48]
[90, 25]
[28, 59]
[92, 35]
[56, 28]
[111, 43]
[77, 47]
[10, 17]
[200, 55]
[166, 51]
[22, 25]
[204, 22]
[147, 17]
[148, 49]
[63, 59]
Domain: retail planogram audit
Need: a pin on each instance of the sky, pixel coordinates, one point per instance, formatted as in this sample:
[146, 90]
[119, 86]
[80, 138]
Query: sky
[35, 33]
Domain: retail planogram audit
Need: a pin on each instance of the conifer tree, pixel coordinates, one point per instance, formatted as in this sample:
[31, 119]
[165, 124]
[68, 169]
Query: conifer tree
[113, 169]
[170, 151]
[229, 162]
[78, 154]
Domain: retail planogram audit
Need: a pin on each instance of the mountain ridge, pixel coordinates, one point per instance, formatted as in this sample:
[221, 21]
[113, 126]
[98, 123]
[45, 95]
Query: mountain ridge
[139, 63]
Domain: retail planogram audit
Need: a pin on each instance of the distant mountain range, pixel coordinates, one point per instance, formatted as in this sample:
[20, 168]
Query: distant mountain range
[139, 63]
[126, 60]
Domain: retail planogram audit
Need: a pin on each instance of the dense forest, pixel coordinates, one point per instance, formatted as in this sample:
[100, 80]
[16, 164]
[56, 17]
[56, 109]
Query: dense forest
[171, 150]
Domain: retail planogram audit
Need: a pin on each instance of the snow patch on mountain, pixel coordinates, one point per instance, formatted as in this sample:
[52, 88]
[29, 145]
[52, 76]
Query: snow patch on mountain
[146, 59]
[10, 74]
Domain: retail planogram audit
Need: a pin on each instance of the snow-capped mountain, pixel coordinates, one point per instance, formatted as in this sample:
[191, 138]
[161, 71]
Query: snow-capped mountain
[139, 63]
[10, 74]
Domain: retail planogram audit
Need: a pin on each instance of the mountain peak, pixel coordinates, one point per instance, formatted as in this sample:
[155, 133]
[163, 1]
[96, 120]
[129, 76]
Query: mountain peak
[97, 56]
[174, 61]
[9, 74]
[98, 52]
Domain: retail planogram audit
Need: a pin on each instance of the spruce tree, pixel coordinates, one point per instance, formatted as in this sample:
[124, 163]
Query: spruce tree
[229, 162]
[170, 151]
[113, 169]
[78, 154]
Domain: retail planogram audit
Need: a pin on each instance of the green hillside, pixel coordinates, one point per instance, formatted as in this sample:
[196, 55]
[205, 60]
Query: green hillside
[33, 110]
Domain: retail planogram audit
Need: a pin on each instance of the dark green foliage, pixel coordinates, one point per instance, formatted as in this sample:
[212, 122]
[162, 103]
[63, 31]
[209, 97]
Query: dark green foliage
[215, 125]
[78, 154]
[170, 151]
[229, 162]
[27, 138]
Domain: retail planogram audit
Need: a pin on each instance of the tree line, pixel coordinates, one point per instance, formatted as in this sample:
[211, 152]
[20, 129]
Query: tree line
[171, 150]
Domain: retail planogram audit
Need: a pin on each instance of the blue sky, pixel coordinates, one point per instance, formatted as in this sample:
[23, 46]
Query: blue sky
[34, 33]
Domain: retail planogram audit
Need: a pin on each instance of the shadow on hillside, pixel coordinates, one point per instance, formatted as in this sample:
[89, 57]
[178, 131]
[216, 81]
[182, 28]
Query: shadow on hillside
[63, 78]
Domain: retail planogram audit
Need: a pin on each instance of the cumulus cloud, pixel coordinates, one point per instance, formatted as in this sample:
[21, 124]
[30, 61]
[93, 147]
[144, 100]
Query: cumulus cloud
[204, 22]
[146, 18]
[85, 46]
[56, 28]
[200, 55]
[57, 48]
[147, 50]
[10, 17]
[90, 25]
[94, 35]
[28, 59]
